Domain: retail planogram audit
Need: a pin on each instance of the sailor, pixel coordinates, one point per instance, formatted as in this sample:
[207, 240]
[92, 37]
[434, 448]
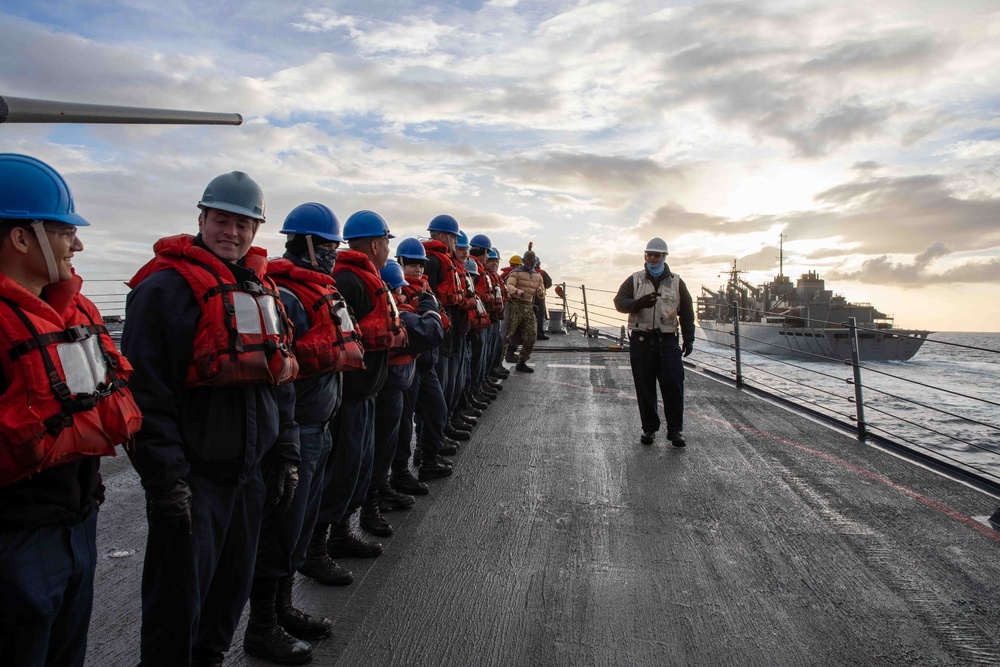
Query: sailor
[424, 400]
[326, 343]
[424, 332]
[213, 376]
[655, 299]
[525, 285]
[369, 298]
[489, 291]
[495, 368]
[479, 334]
[58, 359]
[465, 408]
[510, 348]
[445, 278]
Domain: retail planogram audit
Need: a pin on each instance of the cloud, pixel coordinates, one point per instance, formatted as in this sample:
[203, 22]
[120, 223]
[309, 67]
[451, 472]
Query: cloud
[893, 214]
[883, 271]
[672, 220]
[603, 180]
[764, 259]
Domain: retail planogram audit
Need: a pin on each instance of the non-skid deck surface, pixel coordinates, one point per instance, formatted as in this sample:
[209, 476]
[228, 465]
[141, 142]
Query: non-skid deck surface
[560, 540]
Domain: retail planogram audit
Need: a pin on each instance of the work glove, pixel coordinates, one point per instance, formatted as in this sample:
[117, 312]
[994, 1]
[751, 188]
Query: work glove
[171, 506]
[647, 301]
[282, 480]
[688, 347]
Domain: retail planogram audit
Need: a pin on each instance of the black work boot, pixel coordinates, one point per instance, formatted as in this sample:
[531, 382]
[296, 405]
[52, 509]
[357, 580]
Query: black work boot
[264, 638]
[405, 481]
[295, 621]
[390, 500]
[371, 519]
[320, 566]
[510, 356]
[523, 367]
[433, 469]
[343, 543]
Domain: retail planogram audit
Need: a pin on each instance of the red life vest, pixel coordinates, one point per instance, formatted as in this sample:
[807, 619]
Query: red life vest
[397, 357]
[412, 290]
[451, 290]
[484, 285]
[380, 329]
[243, 336]
[333, 342]
[499, 287]
[64, 381]
[479, 317]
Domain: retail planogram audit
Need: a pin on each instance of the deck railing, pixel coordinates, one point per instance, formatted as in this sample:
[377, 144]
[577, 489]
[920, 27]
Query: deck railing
[950, 428]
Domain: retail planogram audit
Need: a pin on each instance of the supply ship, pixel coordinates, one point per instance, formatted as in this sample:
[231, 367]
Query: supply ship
[804, 319]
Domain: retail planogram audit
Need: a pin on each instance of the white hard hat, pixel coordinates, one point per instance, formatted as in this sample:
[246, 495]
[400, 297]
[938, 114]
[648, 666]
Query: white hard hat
[657, 245]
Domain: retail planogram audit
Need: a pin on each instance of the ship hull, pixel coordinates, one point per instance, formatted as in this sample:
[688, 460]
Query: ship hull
[832, 343]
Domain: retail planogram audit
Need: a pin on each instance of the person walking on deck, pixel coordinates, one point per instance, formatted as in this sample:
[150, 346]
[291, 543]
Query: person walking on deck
[525, 285]
[213, 373]
[58, 360]
[658, 305]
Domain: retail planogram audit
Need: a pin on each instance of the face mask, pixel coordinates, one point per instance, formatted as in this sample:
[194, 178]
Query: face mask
[325, 259]
[655, 270]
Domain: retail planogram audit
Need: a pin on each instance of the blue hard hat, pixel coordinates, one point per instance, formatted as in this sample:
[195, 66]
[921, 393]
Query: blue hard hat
[364, 224]
[235, 192]
[32, 190]
[480, 241]
[315, 220]
[462, 241]
[444, 223]
[392, 274]
[471, 266]
[411, 249]
[493, 254]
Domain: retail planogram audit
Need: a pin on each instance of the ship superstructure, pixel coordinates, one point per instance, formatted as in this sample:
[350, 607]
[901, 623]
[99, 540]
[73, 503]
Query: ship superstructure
[805, 318]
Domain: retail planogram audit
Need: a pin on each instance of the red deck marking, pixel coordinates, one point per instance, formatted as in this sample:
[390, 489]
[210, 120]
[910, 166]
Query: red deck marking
[905, 490]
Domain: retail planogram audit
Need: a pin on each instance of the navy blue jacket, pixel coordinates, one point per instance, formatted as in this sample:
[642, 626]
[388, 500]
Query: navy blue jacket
[221, 432]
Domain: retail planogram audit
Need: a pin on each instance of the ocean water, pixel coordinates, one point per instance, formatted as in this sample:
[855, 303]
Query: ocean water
[944, 401]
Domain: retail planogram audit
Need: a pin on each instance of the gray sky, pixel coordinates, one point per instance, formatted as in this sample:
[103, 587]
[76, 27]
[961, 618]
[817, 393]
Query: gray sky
[867, 133]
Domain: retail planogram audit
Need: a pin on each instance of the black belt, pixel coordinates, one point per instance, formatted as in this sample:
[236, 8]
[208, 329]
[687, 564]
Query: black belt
[652, 332]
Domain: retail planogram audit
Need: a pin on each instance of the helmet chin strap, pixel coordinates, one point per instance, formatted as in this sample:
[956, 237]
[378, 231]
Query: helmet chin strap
[312, 251]
[46, 245]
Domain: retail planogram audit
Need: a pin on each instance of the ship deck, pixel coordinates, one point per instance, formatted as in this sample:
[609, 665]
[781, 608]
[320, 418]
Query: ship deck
[560, 540]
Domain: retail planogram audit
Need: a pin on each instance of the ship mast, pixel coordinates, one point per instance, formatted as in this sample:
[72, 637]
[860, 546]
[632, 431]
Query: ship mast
[781, 254]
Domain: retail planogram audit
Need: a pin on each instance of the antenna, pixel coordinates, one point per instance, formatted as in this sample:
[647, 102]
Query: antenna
[781, 254]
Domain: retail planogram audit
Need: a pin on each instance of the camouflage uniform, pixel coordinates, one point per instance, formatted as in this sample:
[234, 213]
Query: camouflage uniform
[524, 285]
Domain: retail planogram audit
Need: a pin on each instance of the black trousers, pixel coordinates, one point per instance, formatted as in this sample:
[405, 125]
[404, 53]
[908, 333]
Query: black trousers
[389, 408]
[656, 360]
[194, 586]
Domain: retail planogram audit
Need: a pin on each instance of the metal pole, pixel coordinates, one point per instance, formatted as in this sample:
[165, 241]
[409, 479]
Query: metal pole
[736, 336]
[565, 304]
[26, 110]
[859, 397]
[586, 313]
